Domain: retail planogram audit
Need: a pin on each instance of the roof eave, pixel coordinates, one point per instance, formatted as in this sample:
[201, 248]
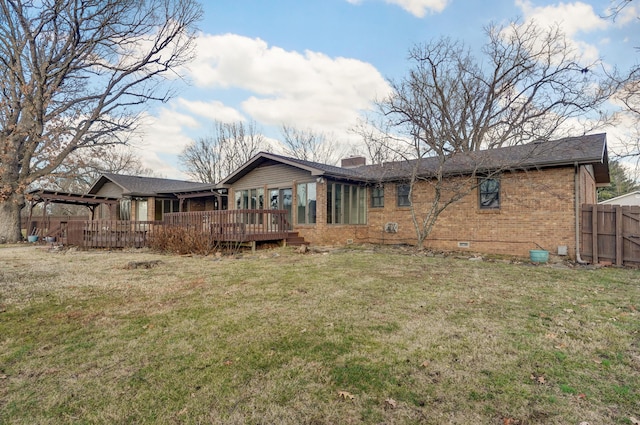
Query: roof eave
[97, 185]
[244, 169]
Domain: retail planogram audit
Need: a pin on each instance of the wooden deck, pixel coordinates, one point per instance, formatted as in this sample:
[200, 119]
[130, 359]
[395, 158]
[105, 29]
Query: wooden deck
[234, 225]
[228, 226]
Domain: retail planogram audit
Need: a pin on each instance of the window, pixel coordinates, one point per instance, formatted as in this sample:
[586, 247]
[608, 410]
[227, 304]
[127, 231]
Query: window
[346, 204]
[377, 196]
[403, 191]
[250, 199]
[489, 194]
[163, 206]
[141, 210]
[306, 202]
[124, 212]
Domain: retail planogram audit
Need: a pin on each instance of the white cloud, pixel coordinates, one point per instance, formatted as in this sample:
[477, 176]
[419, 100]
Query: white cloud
[572, 17]
[628, 14]
[213, 110]
[164, 132]
[307, 89]
[238, 78]
[418, 8]
[162, 136]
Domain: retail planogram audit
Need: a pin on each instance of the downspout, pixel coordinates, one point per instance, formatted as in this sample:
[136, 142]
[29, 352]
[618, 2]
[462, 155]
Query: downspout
[576, 184]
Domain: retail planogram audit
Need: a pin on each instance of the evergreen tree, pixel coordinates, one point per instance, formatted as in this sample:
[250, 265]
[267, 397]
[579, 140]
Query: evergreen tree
[621, 182]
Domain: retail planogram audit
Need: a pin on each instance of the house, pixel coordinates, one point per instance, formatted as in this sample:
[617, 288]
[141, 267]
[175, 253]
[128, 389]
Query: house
[518, 198]
[631, 199]
[503, 201]
[148, 198]
[125, 197]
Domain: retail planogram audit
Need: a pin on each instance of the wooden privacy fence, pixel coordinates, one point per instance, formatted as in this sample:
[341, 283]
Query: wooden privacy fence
[611, 233]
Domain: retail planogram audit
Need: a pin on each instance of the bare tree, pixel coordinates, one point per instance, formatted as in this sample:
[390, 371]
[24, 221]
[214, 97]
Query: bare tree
[616, 8]
[526, 85]
[210, 159]
[378, 142]
[628, 95]
[309, 145]
[91, 163]
[200, 160]
[82, 169]
[628, 117]
[75, 75]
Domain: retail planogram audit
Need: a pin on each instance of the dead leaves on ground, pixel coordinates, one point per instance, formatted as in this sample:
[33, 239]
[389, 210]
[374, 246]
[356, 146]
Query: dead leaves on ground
[389, 403]
[345, 395]
[538, 379]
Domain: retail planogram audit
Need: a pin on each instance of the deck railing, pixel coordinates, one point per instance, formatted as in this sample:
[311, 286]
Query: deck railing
[109, 233]
[234, 225]
[50, 225]
[218, 226]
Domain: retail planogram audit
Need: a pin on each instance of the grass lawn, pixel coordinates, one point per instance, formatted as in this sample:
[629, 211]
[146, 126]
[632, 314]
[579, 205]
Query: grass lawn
[351, 336]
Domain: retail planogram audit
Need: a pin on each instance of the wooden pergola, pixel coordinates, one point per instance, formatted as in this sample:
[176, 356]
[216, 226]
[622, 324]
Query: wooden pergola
[52, 196]
[47, 197]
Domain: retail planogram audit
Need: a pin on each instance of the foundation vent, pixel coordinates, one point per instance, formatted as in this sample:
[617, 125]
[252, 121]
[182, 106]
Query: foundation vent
[391, 227]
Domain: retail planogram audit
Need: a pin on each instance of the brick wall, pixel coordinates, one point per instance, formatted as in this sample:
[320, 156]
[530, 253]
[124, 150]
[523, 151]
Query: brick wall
[537, 210]
[331, 234]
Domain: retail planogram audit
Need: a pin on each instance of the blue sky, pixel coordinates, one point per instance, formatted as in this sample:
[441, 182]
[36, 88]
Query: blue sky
[317, 64]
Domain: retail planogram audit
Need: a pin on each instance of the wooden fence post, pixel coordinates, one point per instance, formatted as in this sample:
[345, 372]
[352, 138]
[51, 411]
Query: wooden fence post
[594, 234]
[619, 236]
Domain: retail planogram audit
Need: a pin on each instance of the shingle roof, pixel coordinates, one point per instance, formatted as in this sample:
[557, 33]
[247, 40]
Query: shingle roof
[315, 168]
[148, 186]
[326, 168]
[590, 149]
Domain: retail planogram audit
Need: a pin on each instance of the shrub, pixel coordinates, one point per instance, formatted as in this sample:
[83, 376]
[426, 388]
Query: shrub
[183, 240]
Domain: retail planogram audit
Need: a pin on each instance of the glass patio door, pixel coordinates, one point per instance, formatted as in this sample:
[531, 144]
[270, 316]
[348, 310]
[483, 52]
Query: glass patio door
[282, 199]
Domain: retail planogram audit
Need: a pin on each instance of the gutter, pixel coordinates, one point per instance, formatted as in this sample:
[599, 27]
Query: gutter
[576, 184]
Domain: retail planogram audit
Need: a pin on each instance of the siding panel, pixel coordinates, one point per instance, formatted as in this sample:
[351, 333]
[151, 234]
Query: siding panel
[111, 190]
[273, 176]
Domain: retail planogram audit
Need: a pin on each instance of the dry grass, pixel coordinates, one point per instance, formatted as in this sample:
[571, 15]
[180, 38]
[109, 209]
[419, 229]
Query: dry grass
[281, 337]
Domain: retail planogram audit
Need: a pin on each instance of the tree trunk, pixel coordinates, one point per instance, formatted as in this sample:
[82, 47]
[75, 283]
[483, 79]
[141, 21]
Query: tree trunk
[10, 229]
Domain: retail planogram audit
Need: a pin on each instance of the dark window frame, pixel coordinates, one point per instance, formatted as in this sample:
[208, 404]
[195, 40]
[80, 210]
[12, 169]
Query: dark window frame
[489, 194]
[403, 191]
[377, 196]
[346, 204]
[306, 203]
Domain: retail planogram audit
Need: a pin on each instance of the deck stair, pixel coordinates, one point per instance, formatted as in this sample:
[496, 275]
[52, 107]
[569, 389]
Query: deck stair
[294, 239]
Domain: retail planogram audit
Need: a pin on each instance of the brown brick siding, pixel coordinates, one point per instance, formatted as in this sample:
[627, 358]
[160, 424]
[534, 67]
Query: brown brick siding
[537, 209]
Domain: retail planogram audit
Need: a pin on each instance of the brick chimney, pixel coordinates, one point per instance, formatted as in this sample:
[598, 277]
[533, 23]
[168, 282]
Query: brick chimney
[353, 162]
